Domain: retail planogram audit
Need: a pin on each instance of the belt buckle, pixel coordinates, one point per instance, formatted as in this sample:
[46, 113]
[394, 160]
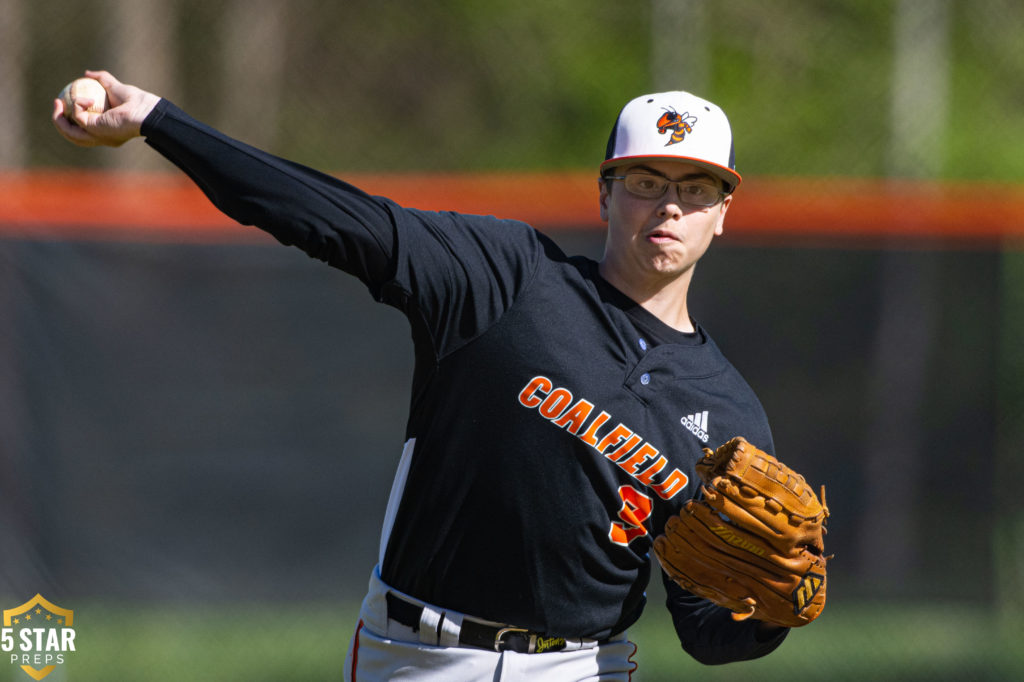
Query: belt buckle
[507, 631]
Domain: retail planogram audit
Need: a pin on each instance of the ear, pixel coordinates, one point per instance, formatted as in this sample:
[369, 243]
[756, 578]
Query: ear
[602, 186]
[720, 223]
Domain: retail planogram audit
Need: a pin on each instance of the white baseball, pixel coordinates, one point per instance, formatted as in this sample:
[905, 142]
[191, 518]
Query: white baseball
[84, 88]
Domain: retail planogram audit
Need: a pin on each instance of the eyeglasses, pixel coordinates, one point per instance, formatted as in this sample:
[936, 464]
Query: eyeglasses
[652, 186]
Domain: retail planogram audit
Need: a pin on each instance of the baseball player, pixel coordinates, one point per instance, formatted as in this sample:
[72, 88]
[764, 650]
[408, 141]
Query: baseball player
[559, 405]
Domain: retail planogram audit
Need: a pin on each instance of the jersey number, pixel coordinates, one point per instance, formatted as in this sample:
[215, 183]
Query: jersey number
[636, 507]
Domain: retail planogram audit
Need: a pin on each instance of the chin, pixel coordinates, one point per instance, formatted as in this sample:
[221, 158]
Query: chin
[668, 266]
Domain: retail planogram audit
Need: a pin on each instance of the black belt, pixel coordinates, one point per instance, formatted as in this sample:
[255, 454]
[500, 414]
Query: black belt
[479, 635]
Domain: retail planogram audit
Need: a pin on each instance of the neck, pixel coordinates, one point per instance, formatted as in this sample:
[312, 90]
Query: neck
[665, 298]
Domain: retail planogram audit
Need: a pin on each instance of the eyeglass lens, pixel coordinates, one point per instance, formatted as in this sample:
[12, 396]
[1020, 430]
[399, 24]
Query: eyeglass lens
[651, 186]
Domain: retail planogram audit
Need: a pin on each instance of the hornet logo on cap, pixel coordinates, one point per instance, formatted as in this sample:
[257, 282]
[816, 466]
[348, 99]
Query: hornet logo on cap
[679, 124]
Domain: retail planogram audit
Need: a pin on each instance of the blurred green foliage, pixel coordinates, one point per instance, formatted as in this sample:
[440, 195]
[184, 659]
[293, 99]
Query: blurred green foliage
[527, 85]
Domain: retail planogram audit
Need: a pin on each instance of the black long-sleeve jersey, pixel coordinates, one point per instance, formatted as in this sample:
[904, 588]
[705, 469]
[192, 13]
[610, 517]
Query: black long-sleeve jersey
[554, 423]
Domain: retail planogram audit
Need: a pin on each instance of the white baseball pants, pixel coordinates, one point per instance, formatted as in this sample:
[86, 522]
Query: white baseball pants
[383, 650]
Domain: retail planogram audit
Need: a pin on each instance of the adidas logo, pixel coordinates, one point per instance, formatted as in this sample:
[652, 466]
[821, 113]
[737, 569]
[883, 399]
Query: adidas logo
[697, 424]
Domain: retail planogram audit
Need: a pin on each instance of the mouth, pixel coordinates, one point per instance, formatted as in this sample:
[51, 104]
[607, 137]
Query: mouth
[661, 237]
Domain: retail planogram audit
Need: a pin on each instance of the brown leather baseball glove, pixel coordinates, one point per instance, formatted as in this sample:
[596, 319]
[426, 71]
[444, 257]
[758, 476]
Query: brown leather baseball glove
[753, 541]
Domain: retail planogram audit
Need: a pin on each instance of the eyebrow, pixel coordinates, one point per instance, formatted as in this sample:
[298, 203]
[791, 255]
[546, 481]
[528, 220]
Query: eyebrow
[699, 175]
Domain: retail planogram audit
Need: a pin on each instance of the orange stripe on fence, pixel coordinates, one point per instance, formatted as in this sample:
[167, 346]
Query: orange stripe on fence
[842, 209]
[168, 207]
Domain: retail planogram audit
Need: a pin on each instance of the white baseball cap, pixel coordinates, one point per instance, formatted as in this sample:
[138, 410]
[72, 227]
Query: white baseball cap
[674, 126]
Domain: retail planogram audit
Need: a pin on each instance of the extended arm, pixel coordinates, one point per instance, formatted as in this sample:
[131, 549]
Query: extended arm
[325, 217]
[458, 272]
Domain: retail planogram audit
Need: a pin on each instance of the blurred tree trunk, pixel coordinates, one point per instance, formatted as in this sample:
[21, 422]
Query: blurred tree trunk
[13, 27]
[253, 66]
[141, 44]
[905, 334]
[18, 536]
[680, 53]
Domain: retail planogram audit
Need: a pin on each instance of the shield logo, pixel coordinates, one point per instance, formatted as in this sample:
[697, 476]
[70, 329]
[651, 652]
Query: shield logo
[43, 631]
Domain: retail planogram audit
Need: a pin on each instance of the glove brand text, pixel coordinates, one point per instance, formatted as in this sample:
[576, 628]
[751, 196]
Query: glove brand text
[732, 538]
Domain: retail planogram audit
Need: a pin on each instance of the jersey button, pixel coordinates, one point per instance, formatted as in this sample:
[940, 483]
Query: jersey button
[643, 344]
[645, 378]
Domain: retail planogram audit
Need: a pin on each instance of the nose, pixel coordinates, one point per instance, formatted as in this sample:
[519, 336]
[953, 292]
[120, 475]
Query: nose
[671, 205]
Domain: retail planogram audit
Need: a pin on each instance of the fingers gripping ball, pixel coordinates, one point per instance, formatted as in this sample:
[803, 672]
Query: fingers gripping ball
[753, 542]
[79, 90]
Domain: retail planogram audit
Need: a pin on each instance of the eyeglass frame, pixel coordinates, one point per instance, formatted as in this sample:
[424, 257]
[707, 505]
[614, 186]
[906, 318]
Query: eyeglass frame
[722, 194]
